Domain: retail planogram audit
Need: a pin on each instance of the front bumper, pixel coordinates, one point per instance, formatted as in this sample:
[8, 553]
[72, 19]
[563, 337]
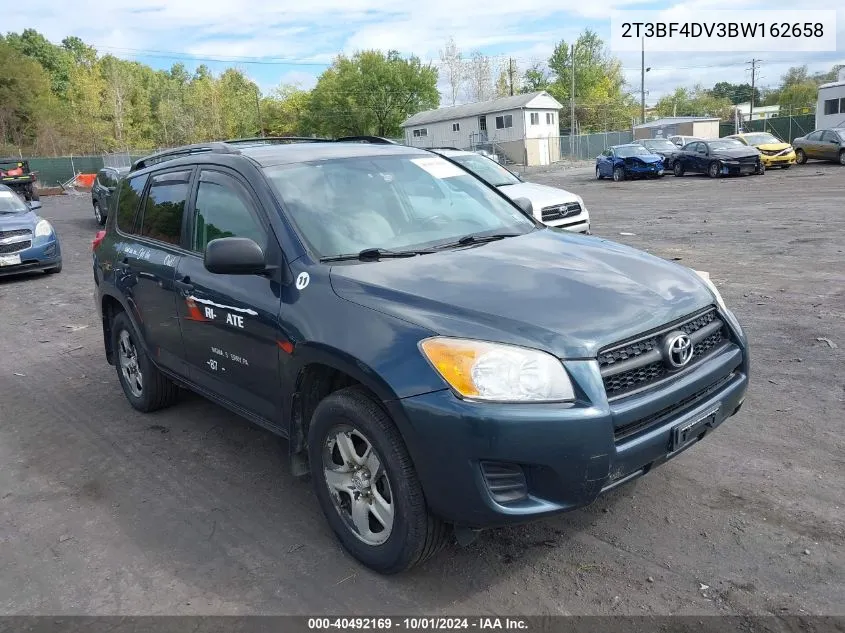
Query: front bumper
[577, 224]
[41, 256]
[777, 161]
[567, 452]
[649, 169]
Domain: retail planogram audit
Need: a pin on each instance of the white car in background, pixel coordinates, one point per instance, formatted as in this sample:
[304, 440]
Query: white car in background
[552, 206]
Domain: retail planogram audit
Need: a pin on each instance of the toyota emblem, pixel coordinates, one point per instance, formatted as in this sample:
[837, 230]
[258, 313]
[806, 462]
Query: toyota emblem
[678, 350]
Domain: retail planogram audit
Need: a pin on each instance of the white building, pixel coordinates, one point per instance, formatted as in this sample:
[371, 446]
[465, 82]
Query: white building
[526, 128]
[760, 112]
[830, 109]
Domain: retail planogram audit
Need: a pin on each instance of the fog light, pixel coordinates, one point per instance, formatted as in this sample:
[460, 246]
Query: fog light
[506, 482]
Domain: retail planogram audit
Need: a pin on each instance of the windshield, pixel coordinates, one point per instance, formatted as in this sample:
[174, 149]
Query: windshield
[726, 143]
[344, 206]
[489, 171]
[10, 203]
[624, 151]
[762, 138]
[658, 144]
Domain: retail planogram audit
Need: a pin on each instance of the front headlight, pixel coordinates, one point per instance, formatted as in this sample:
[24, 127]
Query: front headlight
[496, 372]
[43, 229]
[706, 278]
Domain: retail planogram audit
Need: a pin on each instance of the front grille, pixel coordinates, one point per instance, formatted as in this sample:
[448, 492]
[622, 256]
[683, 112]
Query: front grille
[628, 367]
[6, 249]
[560, 211]
[15, 233]
[506, 482]
[674, 409]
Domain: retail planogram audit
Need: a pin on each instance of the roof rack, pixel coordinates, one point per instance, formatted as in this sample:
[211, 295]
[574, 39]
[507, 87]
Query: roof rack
[277, 140]
[185, 150]
[378, 140]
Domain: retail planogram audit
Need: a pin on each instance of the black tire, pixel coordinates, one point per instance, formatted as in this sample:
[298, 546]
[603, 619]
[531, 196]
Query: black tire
[416, 534]
[714, 169]
[618, 174]
[842, 157]
[678, 169]
[98, 214]
[800, 157]
[157, 391]
[761, 170]
[598, 174]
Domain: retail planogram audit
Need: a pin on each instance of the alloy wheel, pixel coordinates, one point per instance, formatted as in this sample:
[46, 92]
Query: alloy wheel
[128, 359]
[358, 484]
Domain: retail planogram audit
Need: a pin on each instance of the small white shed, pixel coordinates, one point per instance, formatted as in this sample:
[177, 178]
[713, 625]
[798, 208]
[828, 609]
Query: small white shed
[526, 127]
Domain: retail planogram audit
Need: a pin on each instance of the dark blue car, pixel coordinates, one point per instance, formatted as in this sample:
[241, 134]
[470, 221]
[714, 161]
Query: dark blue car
[27, 242]
[632, 160]
[439, 360]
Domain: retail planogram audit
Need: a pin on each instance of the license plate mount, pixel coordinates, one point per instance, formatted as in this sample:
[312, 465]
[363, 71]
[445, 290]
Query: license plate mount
[10, 260]
[689, 431]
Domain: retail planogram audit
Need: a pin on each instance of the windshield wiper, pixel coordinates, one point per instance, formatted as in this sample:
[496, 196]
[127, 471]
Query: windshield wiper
[374, 254]
[466, 240]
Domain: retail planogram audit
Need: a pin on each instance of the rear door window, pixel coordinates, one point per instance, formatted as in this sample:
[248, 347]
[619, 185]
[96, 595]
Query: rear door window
[165, 206]
[128, 204]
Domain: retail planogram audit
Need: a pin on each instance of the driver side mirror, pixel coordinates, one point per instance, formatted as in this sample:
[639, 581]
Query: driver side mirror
[34, 205]
[525, 205]
[234, 256]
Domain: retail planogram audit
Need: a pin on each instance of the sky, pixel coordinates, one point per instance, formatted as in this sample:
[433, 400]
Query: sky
[282, 41]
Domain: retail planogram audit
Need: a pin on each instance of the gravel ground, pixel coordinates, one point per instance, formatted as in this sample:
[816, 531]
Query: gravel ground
[193, 511]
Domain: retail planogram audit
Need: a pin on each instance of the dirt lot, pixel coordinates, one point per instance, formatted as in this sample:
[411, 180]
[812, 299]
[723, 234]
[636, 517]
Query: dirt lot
[191, 510]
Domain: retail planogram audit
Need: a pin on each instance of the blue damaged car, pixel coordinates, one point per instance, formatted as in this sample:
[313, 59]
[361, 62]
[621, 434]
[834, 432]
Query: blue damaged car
[621, 162]
[27, 241]
[438, 359]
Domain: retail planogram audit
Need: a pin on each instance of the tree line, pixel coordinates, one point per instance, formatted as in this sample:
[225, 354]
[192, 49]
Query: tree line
[66, 98]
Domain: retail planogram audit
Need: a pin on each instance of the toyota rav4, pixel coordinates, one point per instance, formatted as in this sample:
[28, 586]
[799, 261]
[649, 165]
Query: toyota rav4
[439, 360]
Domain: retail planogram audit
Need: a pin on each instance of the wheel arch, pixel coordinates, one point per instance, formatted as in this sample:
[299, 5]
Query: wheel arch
[110, 305]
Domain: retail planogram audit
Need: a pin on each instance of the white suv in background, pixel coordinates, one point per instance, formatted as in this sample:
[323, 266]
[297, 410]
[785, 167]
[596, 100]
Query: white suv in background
[552, 206]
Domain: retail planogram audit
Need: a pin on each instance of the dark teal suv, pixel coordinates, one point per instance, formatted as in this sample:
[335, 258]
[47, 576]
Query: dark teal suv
[439, 361]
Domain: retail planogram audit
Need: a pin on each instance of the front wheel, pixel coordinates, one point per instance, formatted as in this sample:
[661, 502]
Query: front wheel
[367, 485]
[842, 157]
[598, 174]
[678, 169]
[618, 174]
[714, 169]
[800, 156]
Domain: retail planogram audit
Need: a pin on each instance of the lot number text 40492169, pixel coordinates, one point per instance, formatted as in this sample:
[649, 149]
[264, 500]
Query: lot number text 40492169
[419, 624]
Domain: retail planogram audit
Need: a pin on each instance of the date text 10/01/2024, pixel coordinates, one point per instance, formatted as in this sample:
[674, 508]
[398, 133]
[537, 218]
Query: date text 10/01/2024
[418, 623]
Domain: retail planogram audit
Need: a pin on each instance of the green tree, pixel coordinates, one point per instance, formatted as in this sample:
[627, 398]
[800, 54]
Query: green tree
[371, 93]
[535, 78]
[285, 111]
[25, 97]
[736, 93]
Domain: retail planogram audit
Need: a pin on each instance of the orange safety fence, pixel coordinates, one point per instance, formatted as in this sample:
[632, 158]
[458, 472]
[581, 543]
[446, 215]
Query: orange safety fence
[85, 180]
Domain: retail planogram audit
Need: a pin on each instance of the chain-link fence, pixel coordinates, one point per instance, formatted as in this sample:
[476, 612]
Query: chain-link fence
[54, 172]
[588, 146]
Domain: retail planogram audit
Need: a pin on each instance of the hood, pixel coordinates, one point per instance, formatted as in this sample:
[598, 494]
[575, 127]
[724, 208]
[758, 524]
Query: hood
[667, 152]
[772, 147]
[16, 221]
[540, 195]
[554, 290]
[646, 158]
[739, 152]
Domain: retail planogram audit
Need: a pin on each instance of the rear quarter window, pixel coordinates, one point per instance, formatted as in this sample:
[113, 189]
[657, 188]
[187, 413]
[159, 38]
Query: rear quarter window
[128, 202]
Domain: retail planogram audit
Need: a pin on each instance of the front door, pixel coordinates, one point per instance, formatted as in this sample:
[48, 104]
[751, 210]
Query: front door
[813, 145]
[701, 157]
[230, 322]
[543, 148]
[482, 128]
[829, 145]
[147, 253]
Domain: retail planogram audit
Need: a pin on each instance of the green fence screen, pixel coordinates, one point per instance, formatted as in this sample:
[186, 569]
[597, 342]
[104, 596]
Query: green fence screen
[53, 172]
[588, 146]
[787, 128]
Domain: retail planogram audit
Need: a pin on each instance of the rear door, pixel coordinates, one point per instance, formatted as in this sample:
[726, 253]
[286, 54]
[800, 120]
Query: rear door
[829, 146]
[230, 322]
[148, 249]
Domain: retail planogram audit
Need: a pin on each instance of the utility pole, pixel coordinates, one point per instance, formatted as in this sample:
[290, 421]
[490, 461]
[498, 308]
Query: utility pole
[643, 71]
[510, 73]
[753, 63]
[258, 110]
[572, 105]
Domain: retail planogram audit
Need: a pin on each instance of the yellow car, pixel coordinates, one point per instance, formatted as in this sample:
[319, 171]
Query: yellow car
[773, 151]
